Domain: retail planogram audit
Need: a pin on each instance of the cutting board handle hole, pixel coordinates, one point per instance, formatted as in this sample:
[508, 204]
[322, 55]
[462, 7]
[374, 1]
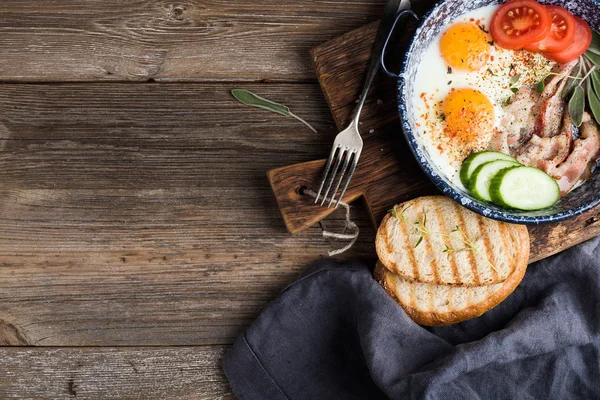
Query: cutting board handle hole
[301, 190]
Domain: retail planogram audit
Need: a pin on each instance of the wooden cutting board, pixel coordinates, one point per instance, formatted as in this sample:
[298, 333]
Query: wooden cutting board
[387, 173]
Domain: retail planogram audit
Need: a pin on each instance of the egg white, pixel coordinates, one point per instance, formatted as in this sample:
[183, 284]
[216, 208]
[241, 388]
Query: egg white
[435, 80]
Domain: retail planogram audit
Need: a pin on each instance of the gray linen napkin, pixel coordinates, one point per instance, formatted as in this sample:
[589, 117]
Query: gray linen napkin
[335, 334]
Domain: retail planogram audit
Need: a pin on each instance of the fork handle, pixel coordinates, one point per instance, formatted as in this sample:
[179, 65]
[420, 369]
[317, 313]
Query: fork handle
[388, 21]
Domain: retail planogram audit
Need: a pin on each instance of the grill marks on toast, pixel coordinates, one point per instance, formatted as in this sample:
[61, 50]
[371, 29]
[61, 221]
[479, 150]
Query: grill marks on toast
[505, 234]
[422, 251]
[513, 236]
[430, 252]
[498, 247]
[473, 231]
[410, 251]
[447, 242]
[436, 305]
[504, 246]
[470, 255]
[438, 288]
[486, 249]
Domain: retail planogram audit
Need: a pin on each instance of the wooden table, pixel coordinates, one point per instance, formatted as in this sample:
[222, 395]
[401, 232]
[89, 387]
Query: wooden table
[138, 233]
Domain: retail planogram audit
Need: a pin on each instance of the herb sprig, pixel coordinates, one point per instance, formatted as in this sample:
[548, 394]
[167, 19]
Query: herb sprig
[514, 83]
[254, 100]
[468, 244]
[400, 215]
[584, 87]
[514, 87]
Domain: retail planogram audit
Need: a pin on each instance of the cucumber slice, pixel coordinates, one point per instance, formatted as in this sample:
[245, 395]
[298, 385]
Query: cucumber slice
[480, 181]
[476, 159]
[524, 188]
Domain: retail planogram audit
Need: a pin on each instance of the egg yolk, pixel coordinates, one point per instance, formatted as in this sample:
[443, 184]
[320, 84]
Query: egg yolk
[465, 46]
[469, 116]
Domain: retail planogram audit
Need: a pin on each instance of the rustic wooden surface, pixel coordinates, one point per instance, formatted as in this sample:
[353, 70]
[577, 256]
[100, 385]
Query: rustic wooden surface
[387, 173]
[113, 373]
[209, 40]
[138, 232]
[140, 214]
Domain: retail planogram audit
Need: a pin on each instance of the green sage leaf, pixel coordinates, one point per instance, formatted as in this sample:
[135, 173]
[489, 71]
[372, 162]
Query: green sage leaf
[254, 100]
[593, 57]
[595, 78]
[540, 86]
[568, 89]
[595, 45]
[571, 83]
[508, 100]
[515, 79]
[594, 102]
[577, 105]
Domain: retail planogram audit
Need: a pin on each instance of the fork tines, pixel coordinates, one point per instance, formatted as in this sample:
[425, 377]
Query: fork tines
[340, 154]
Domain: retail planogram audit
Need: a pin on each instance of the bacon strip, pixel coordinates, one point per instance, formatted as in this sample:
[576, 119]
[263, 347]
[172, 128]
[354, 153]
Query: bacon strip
[546, 153]
[577, 167]
[537, 129]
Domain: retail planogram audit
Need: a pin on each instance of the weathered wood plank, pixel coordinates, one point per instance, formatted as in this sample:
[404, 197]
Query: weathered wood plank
[128, 216]
[152, 136]
[113, 373]
[163, 295]
[208, 40]
[153, 228]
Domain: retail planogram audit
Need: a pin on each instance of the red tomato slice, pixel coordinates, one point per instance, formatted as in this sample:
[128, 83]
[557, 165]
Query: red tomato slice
[519, 23]
[581, 42]
[561, 34]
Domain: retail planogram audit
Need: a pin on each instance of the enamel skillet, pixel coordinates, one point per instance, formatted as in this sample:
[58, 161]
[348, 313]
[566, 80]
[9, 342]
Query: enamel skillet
[578, 201]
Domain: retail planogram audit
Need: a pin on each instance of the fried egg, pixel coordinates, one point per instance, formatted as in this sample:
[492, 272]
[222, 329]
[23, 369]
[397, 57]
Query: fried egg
[460, 88]
[465, 46]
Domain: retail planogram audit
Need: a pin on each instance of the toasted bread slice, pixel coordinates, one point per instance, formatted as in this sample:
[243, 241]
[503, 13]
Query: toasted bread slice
[434, 240]
[436, 305]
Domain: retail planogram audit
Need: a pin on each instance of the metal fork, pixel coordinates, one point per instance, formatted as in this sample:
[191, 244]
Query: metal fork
[348, 144]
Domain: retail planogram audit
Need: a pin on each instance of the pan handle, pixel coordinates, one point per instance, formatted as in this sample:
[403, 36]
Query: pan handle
[387, 40]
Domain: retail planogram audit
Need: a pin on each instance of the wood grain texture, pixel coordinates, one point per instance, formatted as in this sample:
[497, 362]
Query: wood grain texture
[113, 373]
[137, 215]
[387, 173]
[97, 136]
[141, 214]
[200, 40]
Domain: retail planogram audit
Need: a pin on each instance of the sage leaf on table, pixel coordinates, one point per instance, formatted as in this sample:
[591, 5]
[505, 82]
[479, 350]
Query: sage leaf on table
[577, 105]
[254, 100]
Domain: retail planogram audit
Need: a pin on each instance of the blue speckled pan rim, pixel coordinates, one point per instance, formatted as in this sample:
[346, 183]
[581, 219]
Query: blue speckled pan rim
[445, 186]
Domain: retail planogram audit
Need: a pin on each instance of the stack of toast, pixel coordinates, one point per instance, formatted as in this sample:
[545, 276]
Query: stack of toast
[445, 264]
